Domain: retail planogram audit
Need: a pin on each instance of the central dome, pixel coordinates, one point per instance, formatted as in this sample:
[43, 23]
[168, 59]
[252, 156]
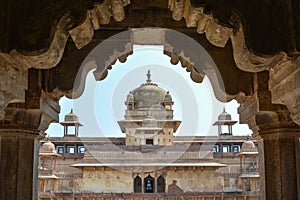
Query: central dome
[149, 95]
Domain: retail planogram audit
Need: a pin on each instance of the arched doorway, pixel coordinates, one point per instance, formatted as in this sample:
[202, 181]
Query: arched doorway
[137, 185]
[161, 184]
[149, 184]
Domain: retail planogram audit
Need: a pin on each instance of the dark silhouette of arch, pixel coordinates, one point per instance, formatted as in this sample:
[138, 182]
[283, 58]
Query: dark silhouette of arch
[161, 184]
[149, 184]
[137, 185]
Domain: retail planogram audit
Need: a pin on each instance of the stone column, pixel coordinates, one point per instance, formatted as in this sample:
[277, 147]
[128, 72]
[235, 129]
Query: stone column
[17, 161]
[20, 132]
[297, 145]
[276, 134]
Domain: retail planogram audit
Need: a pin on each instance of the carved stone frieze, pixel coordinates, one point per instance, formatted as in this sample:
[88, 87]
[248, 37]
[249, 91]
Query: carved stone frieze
[194, 17]
[218, 35]
[110, 8]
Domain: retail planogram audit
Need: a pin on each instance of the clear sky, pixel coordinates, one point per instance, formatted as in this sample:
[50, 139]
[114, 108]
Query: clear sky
[102, 103]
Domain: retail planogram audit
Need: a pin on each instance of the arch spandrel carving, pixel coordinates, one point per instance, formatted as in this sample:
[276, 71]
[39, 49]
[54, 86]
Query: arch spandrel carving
[218, 34]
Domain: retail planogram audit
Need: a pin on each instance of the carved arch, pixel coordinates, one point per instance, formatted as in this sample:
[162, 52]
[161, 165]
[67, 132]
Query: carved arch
[217, 34]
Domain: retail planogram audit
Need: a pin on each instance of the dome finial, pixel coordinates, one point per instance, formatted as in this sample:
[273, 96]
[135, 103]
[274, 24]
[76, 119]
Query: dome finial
[149, 76]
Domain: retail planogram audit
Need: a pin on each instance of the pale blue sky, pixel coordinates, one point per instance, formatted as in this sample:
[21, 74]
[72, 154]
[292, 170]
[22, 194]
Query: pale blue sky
[102, 103]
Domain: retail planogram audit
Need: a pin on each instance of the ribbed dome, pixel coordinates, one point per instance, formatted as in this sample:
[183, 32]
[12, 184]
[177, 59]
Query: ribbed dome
[48, 147]
[149, 95]
[224, 116]
[248, 146]
[71, 117]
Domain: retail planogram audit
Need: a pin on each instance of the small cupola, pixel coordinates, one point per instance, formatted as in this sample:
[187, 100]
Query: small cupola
[71, 124]
[224, 123]
[168, 101]
[130, 103]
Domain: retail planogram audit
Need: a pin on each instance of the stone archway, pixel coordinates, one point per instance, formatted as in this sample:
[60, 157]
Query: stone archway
[29, 104]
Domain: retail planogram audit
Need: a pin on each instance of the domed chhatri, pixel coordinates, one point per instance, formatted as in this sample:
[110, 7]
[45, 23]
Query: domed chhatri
[248, 147]
[224, 116]
[224, 119]
[148, 96]
[71, 118]
[48, 148]
[71, 121]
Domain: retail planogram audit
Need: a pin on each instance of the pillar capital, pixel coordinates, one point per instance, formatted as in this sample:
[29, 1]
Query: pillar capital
[32, 121]
[267, 123]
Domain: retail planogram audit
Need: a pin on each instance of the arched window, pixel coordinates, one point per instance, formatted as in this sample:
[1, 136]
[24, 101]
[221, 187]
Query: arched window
[149, 184]
[161, 184]
[137, 187]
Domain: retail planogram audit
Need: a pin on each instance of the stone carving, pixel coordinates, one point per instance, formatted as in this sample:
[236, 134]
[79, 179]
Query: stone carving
[53, 55]
[284, 85]
[13, 82]
[83, 34]
[218, 35]
[194, 17]
[108, 8]
[247, 61]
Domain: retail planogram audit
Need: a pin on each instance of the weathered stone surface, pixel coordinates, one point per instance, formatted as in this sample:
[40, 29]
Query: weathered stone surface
[51, 57]
[216, 34]
[13, 82]
[284, 86]
[276, 134]
[247, 61]
[82, 34]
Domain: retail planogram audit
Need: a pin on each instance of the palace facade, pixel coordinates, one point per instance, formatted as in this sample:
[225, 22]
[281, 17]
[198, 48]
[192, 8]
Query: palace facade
[150, 161]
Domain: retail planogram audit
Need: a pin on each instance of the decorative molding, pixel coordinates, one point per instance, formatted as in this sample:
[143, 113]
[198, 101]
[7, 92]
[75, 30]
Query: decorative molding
[13, 82]
[83, 34]
[15, 65]
[35, 119]
[247, 61]
[51, 57]
[284, 85]
[218, 35]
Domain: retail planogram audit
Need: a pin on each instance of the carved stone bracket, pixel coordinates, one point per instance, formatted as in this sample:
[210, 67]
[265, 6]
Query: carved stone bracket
[35, 119]
[284, 85]
[13, 82]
